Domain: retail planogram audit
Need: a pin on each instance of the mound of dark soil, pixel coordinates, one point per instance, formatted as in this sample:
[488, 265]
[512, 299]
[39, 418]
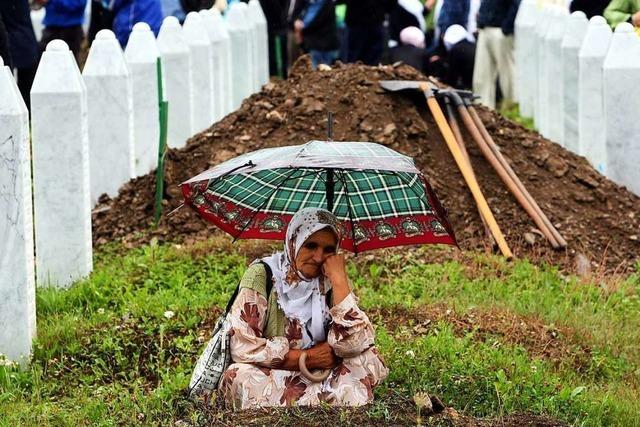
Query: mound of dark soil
[599, 219]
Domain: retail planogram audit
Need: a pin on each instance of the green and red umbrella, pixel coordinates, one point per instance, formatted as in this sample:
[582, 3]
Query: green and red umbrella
[379, 195]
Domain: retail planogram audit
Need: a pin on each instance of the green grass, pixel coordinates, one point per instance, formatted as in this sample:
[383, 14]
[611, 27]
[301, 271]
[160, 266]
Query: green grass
[512, 112]
[106, 353]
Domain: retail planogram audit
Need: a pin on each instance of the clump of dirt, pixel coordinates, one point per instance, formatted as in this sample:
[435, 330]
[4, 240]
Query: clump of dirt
[599, 219]
[554, 343]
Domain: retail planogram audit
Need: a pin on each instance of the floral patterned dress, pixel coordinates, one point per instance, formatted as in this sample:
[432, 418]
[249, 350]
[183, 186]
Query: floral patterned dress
[254, 381]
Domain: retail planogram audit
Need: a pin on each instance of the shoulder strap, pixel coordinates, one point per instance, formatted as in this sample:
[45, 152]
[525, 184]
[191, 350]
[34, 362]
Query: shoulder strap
[269, 283]
[268, 287]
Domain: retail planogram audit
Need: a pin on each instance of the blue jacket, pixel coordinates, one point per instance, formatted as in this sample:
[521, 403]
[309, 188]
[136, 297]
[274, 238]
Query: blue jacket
[64, 13]
[453, 12]
[127, 13]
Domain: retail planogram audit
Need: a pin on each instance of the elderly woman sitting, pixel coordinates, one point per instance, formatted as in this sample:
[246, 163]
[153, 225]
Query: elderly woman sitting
[310, 311]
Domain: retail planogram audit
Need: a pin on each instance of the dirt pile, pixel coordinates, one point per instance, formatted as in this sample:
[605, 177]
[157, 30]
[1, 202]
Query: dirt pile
[599, 219]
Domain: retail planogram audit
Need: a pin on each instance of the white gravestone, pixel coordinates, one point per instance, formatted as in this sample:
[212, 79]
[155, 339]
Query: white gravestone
[622, 107]
[222, 26]
[262, 40]
[142, 55]
[240, 33]
[110, 108]
[255, 45]
[590, 101]
[177, 81]
[218, 64]
[540, 113]
[60, 147]
[576, 28]
[17, 263]
[197, 39]
[525, 59]
[553, 41]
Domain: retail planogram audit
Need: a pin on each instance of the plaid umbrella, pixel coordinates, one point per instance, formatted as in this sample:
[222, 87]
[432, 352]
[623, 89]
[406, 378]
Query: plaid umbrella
[379, 196]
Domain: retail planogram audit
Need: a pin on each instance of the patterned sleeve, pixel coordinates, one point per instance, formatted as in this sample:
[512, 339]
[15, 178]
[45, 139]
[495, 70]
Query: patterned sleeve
[351, 331]
[248, 318]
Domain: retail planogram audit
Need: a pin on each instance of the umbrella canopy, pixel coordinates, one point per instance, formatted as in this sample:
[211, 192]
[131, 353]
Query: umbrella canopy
[379, 195]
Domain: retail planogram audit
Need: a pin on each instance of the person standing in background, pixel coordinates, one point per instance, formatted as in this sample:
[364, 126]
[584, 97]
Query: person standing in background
[22, 45]
[590, 8]
[315, 30]
[127, 13]
[63, 20]
[4, 44]
[623, 11]
[276, 13]
[494, 51]
[365, 32]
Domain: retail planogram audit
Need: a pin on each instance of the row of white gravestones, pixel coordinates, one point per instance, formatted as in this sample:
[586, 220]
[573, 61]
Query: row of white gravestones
[17, 278]
[61, 177]
[585, 101]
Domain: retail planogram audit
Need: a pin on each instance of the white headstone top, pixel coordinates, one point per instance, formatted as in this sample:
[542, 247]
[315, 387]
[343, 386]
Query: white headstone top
[526, 71]
[109, 101]
[17, 262]
[142, 46]
[177, 80]
[262, 42]
[199, 44]
[571, 42]
[576, 28]
[213, 20]
[142, 54]
[105, 56]
[60, 155]
[591, 121]
[241, 33]
[624, 48]
[597, 38]
[554, 96]
[621, 105]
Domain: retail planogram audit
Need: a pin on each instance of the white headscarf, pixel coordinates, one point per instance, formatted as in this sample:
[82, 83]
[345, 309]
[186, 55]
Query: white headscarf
[299, 297]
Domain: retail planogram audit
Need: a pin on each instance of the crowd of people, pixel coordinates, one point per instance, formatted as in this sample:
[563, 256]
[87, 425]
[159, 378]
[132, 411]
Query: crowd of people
[466, 43]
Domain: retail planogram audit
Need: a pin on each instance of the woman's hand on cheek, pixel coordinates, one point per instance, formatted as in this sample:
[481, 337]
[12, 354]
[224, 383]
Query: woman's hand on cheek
[334, 267]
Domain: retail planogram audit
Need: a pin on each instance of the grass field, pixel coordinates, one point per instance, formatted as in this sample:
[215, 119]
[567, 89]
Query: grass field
[490, 338]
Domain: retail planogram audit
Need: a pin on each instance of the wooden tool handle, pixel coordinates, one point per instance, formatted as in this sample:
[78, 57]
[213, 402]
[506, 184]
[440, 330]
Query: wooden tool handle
[534, 210]
[316, 378]
[467, 173]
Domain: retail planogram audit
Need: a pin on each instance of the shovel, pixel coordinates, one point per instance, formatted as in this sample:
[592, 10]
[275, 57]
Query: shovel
[465, 169]
[462, 100]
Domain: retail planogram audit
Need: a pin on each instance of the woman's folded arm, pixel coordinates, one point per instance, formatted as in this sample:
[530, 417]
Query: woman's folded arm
[351, 331]
[248, 345]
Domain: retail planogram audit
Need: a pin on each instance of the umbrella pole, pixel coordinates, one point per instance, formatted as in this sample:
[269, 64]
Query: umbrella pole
[329, 188]
[441, 121]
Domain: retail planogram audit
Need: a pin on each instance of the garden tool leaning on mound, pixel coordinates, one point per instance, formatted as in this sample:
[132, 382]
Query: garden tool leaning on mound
[463, 165]
[463, 102]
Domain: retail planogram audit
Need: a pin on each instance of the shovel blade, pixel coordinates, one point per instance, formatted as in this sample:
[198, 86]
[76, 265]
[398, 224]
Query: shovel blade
[398, 85]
